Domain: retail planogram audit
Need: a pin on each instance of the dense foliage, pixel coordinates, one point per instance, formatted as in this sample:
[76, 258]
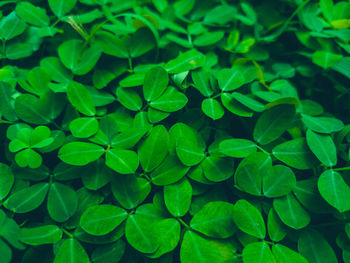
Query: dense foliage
[174, 131]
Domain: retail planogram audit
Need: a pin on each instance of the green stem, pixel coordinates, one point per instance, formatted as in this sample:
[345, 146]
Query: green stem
[341, 169]
[67, 233]
[263, 150]
[3, 52]
[183, 223]
[130, 63]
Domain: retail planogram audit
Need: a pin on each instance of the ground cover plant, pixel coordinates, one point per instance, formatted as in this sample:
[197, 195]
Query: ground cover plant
[174, 131]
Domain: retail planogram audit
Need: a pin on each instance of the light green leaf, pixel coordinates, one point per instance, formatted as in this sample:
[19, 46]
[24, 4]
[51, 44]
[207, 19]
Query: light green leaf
[295, 153]
[177, 197]
[195, 248]
[122, 161]
[212, 108]
[129, 98]
[155, 82]
[230, 79]
[248, 102]
[80, 98]
[11, 26]
[249, 219]
[284, 254]
[322, 124]
[130, 190]
[61, 7]
[80, 153]
[315, 248]
[71, 251]
[334, 190]
[201, 82]
[323, 147]
[6, 180]
[208, 38]
[27, 199]
[276, 229]
[47, 234]
[325, 59]
[291, 212]
[100, 220]
[172, 100]
[28, 157]
[273, 123]
[187, 143]
[83, 127]
[62, 202]
[154, 148]
[217, 169]
[279, 182]
[32, 14]
[188, 60]
[237, 148]
[215, 220]
[220, 15]
[258, 252]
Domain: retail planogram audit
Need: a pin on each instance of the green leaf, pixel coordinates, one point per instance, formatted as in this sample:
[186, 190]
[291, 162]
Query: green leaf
[95, 175]
[187, 143]
[322, 124]
[217, 169]
[102, 219]
[27, 199]
[6, 252]
[220, 15]
[80, 98]
[327, 9]
[334, 190]
[323, 147]
[279, 182]
[276, 229]
[291, 212]
[177, 197]
[188, 60]
[172, 100]
[215, 220]
[251, 171]
[230, 79]
[273, 123]
[111, 253]
[130, 190]
[234, 106]
[258, 252]
[315, 248]
[47, 234]
[208, 38]
[248, 102]
[284, 254]
[195, 248]
[6, 180]
[71, 251]
[141, 233]
[155, 82]
[129, 98]
[62, 202]
[112, 45]
[212, 108]
[28, 157]
[249, 219]
[11, 26]
[154, 148]
[39, 111]
[295, 153]
[80, 153]
[237, 148]
[201, 82]
[6, 107]
[122, 161]
[325, 59]
[61, 7]
[169, 237]
[169, 171]
[83, 127]
[32, 14]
